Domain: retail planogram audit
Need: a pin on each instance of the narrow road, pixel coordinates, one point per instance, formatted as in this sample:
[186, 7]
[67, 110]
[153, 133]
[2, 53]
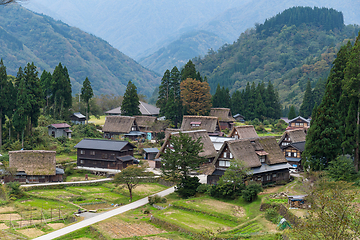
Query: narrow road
[101, 217]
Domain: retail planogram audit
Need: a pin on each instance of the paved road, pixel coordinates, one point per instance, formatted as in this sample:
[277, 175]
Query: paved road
[101, 217]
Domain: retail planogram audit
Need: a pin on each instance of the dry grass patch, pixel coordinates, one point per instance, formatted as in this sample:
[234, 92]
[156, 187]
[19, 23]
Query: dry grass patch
[271, 190]
[145, 188]
[221, 207]
[116, 228]
[10, 216]
[7, 209]
[56, 226]
[3, 226]
[31, 232]
[299, 212]
[155, 238]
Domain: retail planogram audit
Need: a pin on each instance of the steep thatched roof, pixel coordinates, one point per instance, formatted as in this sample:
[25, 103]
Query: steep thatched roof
[208, 147]
[118, 124]
[145, 121]
[295, 135]
[223, 114]
[248, 150]
[245, 131]
[33, 162]
[210, 124]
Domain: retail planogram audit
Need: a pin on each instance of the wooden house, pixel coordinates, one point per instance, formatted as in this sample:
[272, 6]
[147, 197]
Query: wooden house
[104, 154]
[262, 155]
[298, 122]
[59, 130]
[150, 153]
[34, 166]
[146, 125]
[208, 148]
[225, 118]
[145, 109]
[292, 136]
[118, 125]
[209, 123]
[239, 118]
[218, 141]
[77, 118]
[242, 132]
[293, 153]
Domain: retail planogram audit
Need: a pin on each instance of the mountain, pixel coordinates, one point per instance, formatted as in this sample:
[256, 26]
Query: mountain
[180, 51]
[29, 37]
[146, 30]
[288, 49]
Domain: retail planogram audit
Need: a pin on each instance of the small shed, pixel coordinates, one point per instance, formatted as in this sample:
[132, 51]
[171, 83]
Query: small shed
[135, 135]
[297, 201]
[239, 118]
[150, 153]
[59, 130]
[77, 118]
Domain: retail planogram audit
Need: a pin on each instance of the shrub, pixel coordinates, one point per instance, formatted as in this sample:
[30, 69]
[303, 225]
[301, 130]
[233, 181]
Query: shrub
[342, 169]
[251, 191]
[272, 215]
[187, 187]
[156, 199]
[15, 190]
[226, 190]
[203, 188]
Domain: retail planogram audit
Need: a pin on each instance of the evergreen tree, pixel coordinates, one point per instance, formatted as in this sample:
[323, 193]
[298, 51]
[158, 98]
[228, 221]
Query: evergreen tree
[272, 102]
[215, 99]
[308, 102]
[259, 107]
[45, 82]
[164, 90]
[4, 101]
[34, 92]
[237, 106]
[226, 103]
[130, 104]
[323, 141]
[86, 95]
[189, 71]
[292, 112]
[319, 91]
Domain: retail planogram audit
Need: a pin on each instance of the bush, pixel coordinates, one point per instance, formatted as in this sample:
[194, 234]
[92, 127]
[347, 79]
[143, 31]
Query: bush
[85, 131]
[272, 215]
[260, 129]
[342, 169]
[156, 199]
[203, 188]
[226, 190]
[15, 190]
[251, 191]
[187, 187]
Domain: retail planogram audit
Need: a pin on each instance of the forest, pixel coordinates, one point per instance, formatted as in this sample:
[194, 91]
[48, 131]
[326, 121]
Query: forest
[288, 51]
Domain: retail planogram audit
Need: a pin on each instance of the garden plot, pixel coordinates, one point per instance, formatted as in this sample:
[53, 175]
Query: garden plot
[116, 228]
[31, 232]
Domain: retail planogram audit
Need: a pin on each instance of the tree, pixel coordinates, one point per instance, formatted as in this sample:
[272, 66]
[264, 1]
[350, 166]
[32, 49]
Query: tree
[251, 191]
[333, 214]
[236, 174]
[164, 90]
[183, 158]
[86, 95]
[237, 106]
[4, 101]
[188, 186]
[342, 169]
[189, 71]
[45, 83]
[130, 177]
[130, 103]
[292, 112]
[196, 97]
[308, 102]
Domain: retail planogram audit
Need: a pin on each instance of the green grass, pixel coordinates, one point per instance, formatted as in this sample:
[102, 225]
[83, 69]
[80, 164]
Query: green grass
[100, 121]
[86, 232]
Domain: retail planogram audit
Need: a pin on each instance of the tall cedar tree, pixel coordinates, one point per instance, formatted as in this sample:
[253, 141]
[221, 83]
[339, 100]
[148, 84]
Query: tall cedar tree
[196, 97]
[292, 112]
[22, 107]
[45, 82]
[183, 158]
[164, 89]
[130, 104]
[61, 98]
[272, 102]
[174, 103]
[221, 98]
[308, 102]
[4, 101]
[34, 93]
[323, 141]
[86, 95]
[237, 102]
[189, 71]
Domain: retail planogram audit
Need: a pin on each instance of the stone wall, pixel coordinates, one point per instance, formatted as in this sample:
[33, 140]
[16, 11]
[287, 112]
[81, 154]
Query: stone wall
[33, 162]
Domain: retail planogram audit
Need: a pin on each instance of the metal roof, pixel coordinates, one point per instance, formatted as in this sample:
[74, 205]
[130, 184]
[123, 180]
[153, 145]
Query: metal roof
[145, 109]
[60, 125]
[269, 168]
[151, 150]
[293, 159]
[126, 158]
[59, 171]
[134, 133]
[101, 144]
[79, 115]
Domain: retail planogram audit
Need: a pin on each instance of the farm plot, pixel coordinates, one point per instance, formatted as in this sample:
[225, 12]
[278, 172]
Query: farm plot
[116, 228]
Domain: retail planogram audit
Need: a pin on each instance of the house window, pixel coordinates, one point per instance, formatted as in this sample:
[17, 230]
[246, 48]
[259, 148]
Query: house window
[295, 154]
[81, 161]
[274, 175]
[92, 153]
[104, 156]
[297, 124]
[225, 154]
[289, 154]
[262, 158]
[82, 152]
[231, 156]
[133, 128]
[259, 179]
[224, 163]
[195, 124]
[268, 177]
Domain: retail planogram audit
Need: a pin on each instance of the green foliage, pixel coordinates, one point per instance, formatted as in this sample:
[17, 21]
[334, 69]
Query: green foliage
[156, 199]
[226, 190]
[203, 188]
[130, 103]
[221, 98]
[15, 190]
[292, 112]
[85, 131]
[251, 191]
[183, 158]
[188, 186]
[342, 169]
[308, 102]
[86, 95]
[272, 215]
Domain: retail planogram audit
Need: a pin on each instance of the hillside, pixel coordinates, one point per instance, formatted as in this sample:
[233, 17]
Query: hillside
[180, 51]
[286, 51]
[148, 30]
[28, 37]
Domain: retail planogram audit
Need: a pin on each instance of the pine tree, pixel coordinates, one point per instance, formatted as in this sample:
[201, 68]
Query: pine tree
[45, 82]
[86, 95]
[4, 101]
[272, 102]
[259, 107]
[215, 99]
[308, 102]
[164, 90]
[189, 71]
[237, 106]
[292, 112]
[130, 103]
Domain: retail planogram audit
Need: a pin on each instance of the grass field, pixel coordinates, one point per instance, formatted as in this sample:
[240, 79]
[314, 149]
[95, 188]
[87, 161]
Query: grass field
[96, 121]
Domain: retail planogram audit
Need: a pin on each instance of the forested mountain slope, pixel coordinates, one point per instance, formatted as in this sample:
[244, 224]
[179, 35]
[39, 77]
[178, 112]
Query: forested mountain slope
[29, 37]
[288, 49]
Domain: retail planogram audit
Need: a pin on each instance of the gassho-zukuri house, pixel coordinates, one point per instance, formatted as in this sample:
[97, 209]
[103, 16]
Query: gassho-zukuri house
[262, 155]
